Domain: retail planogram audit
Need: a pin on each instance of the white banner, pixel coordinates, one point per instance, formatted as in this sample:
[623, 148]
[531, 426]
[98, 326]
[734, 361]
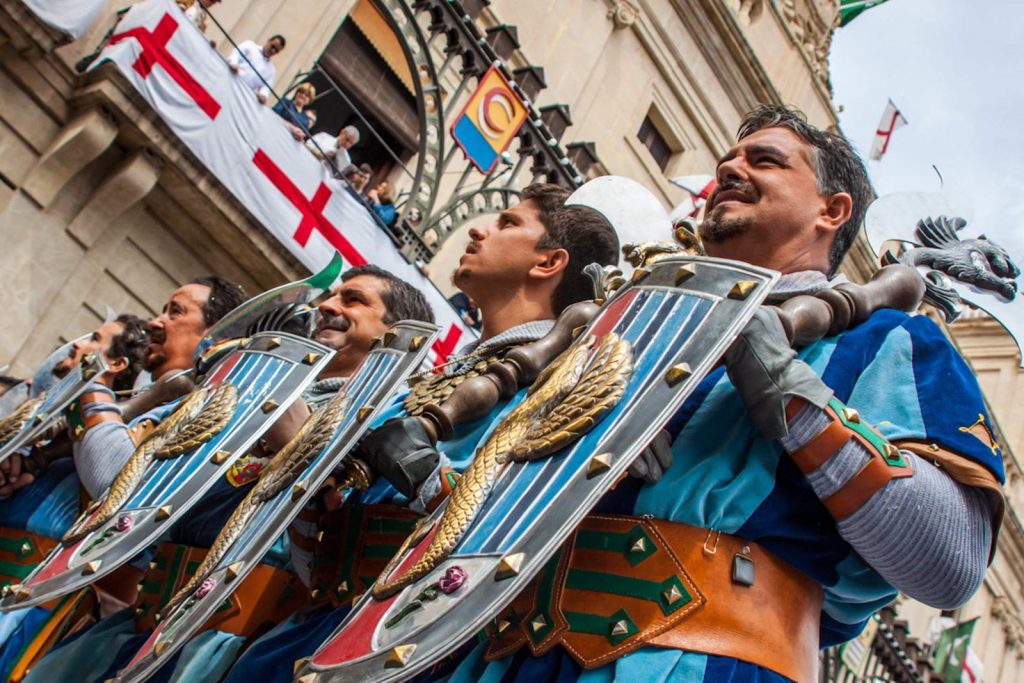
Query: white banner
[73, 17]
[250, 150]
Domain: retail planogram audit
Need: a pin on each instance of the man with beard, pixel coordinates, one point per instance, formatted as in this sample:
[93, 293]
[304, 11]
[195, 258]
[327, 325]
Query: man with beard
[523, 270]
[109, 436]
[784, 520]
[41, 492]
[363, 307]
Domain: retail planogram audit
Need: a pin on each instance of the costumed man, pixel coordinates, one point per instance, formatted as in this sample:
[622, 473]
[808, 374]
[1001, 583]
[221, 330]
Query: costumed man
[41, 494]
[368, 301]
[111, 430]
[523, 271]
[780, 505]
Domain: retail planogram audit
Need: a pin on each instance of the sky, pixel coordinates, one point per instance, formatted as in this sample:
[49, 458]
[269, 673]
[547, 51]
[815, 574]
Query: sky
[955, 69]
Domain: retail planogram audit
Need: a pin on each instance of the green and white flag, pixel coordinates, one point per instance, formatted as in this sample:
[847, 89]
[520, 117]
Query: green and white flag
[951, 651]
[849, 9]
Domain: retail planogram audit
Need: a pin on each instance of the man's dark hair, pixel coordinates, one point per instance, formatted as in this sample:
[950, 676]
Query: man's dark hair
[225, 296]
[279, 37]
[581, 231]
[401, 300]
[366, 168]
[837, 168]
[130, 345]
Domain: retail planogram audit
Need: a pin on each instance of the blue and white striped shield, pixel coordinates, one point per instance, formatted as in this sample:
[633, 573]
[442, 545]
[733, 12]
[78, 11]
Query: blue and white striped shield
[675, 320]
[261, 377]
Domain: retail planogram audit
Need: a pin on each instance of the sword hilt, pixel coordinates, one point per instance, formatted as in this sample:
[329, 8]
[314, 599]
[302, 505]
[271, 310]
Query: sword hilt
[808, 318]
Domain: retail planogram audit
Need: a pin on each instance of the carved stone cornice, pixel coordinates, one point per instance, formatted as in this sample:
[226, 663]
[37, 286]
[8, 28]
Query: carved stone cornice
[25, 32]
[186, 179]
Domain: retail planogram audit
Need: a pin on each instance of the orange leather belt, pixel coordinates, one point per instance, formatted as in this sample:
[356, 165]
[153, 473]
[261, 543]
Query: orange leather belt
[266, 597]
[20, 552]
[622, 583]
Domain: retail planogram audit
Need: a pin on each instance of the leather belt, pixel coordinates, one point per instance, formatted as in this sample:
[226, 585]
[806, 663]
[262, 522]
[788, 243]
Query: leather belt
[266, 597]
[20, 552]
[622, 583]
[354, 545]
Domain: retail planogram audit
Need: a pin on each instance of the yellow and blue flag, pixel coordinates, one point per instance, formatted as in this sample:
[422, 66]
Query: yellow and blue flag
[489, 121]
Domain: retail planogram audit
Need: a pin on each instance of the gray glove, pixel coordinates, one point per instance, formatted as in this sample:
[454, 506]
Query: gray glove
[765, 371]
[654, 460]
[401, 452]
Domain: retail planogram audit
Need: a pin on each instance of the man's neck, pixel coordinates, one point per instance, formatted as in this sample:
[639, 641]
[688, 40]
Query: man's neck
[503, 314]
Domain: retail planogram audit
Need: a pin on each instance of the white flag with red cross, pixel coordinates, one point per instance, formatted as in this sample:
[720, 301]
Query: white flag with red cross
[891, 120]
[699, 187]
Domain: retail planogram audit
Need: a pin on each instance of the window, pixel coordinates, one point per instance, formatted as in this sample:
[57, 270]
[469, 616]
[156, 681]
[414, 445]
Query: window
[655, 142]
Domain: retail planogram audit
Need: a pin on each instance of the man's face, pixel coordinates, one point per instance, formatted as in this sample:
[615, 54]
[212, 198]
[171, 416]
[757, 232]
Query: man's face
[346, 139]
[350, 319]
[767, 198]
[175, 333]
[501, 254]
[272, 47]
[98, 342]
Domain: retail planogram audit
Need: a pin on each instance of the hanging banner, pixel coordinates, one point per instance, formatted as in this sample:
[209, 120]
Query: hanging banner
[249, 149]
[490, 121]
[73, 17]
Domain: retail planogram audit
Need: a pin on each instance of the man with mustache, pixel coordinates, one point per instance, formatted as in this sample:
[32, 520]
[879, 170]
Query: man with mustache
[523, 271]
[111, 431]
[363, 307]
[785, 519]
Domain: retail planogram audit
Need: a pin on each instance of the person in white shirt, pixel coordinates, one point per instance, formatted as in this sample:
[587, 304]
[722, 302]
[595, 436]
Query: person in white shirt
[251, 63]
[327, 146]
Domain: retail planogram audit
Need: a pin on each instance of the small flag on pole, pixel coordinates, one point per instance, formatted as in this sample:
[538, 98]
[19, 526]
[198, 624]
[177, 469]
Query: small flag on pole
[891, 120]
[952, 653]
[849, 9]
[699, 187]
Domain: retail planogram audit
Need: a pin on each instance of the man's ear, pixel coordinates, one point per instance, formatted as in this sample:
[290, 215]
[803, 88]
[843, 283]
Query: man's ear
[836, 210]
[552, 263]
[116, 365]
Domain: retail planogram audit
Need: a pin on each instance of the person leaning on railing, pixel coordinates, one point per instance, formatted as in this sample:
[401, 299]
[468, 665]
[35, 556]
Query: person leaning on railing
[292, 110]
[251, 63]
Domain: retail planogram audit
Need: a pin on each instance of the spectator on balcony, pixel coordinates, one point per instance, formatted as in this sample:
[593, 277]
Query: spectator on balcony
[382, 201]
[357, 178]
[196, 12]
[292, 110]
[327, 146]
[252, 64]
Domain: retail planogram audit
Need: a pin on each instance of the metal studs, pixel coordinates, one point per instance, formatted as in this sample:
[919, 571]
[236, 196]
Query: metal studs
[343, 587]
[639, 546]
[576, 331]
[891, 452]
[26, 547]
[139, 611]
[219, 457]
[677, 373]
[851, 415]
[599, 464]
[400, 656]
[389, 338]
[163, 512]
[538, 623]
[503, 625]
[742, 289]
[269, 405]
[88, 373]
[638, 275]
[308, 678]
[672, 594]
[311, 358]
[232, 571]
[509, 566]
[685, 273]
[364, 413]
[273, 343]
[620, 628]
[416, 343]
[298, 490]
[320, 536]
[161, 647]
[314, 593]
[91, 567]
[299, 663]
[21, 593]
[79, 430]
[5, 591]
[933, 447]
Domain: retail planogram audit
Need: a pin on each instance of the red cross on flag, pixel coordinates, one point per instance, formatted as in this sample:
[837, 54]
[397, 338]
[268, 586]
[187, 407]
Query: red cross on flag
[891, 120]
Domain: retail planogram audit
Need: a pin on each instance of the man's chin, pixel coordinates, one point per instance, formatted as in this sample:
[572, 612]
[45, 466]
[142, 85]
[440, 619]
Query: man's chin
[718, 228]
[152, 361]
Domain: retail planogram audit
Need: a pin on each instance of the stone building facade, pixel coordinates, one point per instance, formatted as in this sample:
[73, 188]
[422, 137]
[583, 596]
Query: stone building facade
[101, 205]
